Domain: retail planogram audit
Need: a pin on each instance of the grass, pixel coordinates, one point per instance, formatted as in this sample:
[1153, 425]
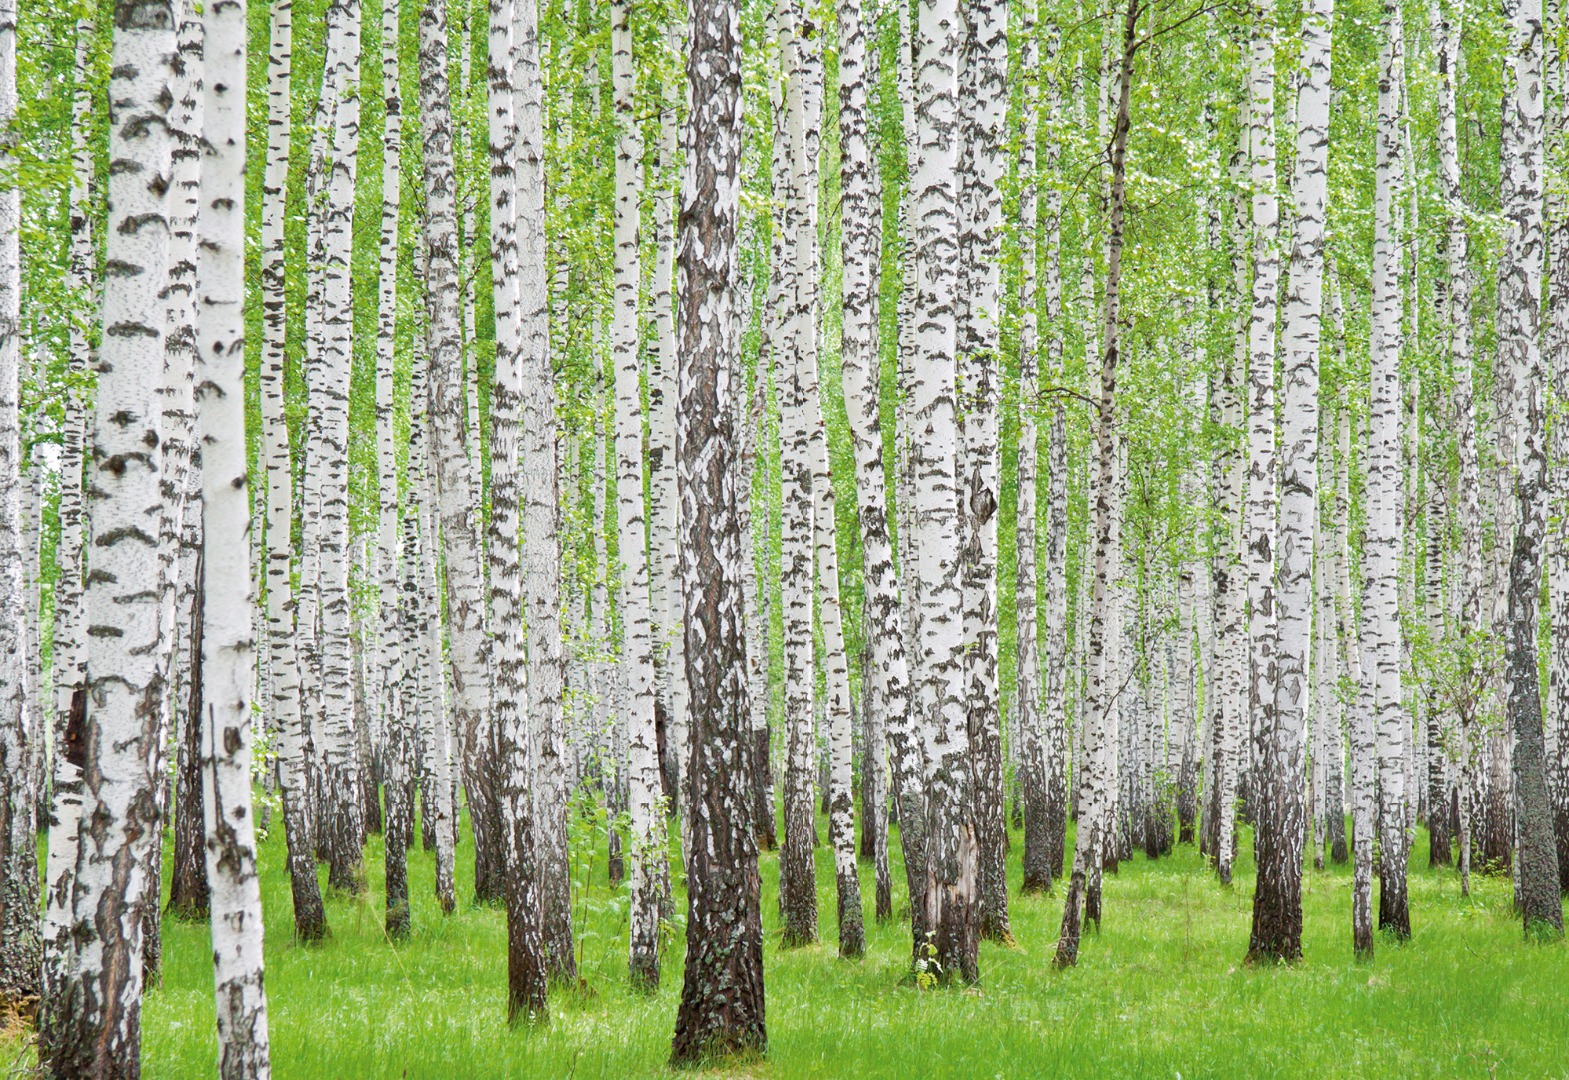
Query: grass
[1161, 991]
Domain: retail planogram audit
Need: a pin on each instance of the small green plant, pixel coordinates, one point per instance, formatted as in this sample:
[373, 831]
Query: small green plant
[928, 972]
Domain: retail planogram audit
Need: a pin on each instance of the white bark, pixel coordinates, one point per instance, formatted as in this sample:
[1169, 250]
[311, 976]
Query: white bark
[1382, 544]
[103, 981]
[637, 657]
[227, 641]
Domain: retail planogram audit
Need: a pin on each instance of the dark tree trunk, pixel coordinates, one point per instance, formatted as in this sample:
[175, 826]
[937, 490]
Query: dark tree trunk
[1538, 894]
[764, 824]
[1438, 833]
[722, 1002]
[188, 893]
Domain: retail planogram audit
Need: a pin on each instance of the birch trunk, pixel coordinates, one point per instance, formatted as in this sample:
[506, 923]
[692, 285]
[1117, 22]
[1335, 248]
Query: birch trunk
[20, 946]
[541, 525]
[1520, 290]
[99, 1029]
[1259, 525]
[227, 640]
[1028, 738]
[392, 624]
[722, 1008]
[795, 359]
[452, 482]
[1382, 544]
[637, 657]
[951, 893]
[69, 643]
[983, 72]
[1277, 904]
[1083, 900]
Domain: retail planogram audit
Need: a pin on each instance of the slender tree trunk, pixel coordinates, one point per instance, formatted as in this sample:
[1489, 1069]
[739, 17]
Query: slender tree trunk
[453, 482]
[983, 72]
[1101, 726]
[647, 825]
[1029, 739]
[722, 1007]
[888, 715]
[1259, 541]
[526, 975]
[795, 360]
[20, 946]
[99, 1031]
[395, 749]
[1556, 346]
[69, 641]
[1382, 544]
[1277, 903]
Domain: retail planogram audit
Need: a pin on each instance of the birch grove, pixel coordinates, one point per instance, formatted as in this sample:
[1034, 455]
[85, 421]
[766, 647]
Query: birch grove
[1036, 478]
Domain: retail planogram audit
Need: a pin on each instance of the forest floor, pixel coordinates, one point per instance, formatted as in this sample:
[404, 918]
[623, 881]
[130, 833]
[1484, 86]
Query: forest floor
[1161, 991]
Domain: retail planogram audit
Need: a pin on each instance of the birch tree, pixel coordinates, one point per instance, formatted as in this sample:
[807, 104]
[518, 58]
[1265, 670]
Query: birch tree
[19, 941]
[99, 1019]
[984, 66]
[227, 642]
[1277, 903]
[1382, 543]
[637, 659]
[1520, 290]
[722, 1009]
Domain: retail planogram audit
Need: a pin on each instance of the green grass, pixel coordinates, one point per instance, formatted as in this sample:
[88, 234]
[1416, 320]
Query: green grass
[1161, 991]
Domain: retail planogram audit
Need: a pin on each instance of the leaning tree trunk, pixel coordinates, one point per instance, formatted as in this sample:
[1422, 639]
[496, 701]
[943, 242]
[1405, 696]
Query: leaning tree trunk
[226, 590]
[637, 659]
[1520, 290]
[983, 72]
[1382, 543]
[20, 946]
[722, 1008]
[1282, 822]
[99, 1030]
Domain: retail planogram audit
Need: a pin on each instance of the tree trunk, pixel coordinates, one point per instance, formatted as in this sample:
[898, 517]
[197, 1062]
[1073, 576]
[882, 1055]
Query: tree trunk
[1277, 903]
[722, 1009]
[983, 71]
[189, 896]
[637, 659]
[1083, 900]
[69, 640]
[795, 360]
[225, 593]
[20, 946]
[1382, 544]
[1520, 289]
[450, 462]
[99, 1030]
[1260, 542]
[886, 672]
[541, 545]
